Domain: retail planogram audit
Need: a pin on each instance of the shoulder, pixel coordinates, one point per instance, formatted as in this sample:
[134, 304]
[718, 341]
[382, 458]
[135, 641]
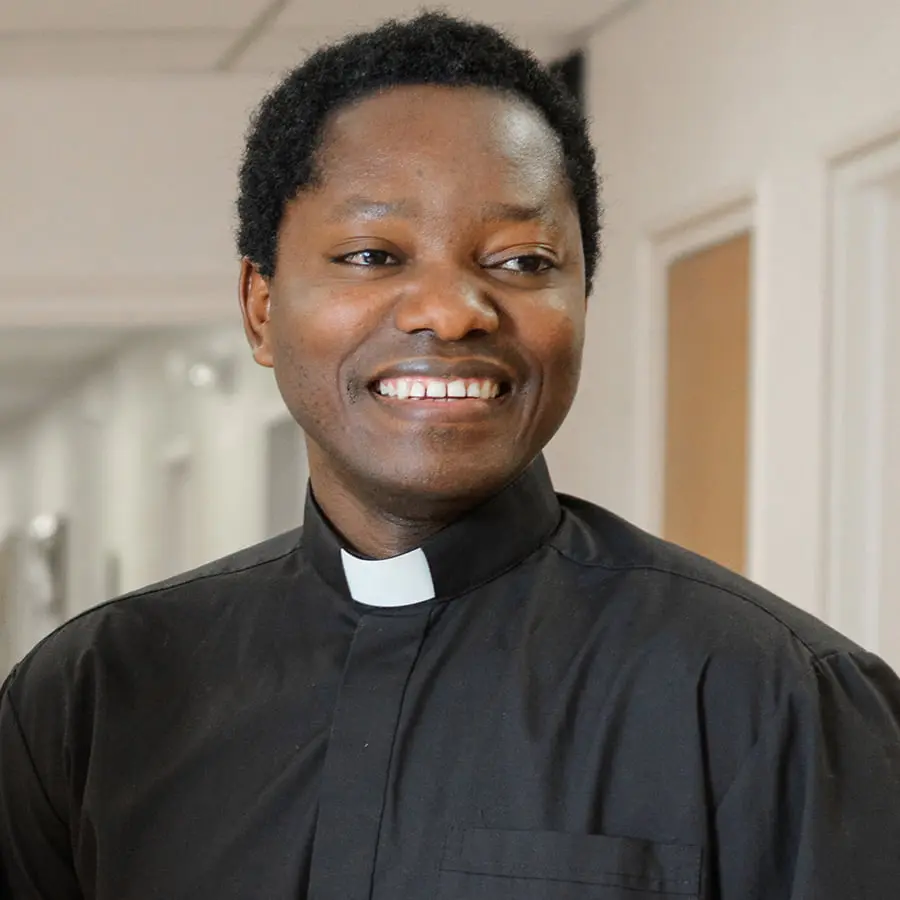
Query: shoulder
[237, 567]
[702, 605]
[179, 609]
[729, 658]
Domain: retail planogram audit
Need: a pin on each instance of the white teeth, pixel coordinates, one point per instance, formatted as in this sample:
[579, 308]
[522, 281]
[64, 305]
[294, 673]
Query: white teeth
[438, 388]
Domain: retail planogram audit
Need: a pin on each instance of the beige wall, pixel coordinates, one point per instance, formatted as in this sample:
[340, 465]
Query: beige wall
[123, 192]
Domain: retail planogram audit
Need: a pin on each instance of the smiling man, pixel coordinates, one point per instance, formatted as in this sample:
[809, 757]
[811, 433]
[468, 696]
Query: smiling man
[452, 683]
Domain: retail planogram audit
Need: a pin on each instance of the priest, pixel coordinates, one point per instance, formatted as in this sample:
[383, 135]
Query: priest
[452, 682]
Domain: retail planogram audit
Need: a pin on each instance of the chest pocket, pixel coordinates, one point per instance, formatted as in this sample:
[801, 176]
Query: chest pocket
[486, 864]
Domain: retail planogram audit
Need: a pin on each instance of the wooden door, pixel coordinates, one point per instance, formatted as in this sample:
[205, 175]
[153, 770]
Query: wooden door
[707, 401]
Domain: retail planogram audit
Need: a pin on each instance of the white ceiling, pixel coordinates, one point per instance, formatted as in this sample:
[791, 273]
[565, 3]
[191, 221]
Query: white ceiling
[43, 37]
[132, 15]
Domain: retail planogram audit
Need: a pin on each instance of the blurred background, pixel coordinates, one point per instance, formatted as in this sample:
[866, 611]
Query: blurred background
[743, 359]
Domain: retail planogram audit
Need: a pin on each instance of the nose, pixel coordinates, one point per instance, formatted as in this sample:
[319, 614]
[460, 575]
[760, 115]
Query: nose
[448, 303]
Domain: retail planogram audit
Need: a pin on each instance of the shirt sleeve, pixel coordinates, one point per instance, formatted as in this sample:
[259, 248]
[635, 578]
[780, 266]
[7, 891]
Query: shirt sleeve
[35, 846]
[814, 813]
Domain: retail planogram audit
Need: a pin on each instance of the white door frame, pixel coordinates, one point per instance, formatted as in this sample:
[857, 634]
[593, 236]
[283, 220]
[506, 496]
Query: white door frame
[864, 242]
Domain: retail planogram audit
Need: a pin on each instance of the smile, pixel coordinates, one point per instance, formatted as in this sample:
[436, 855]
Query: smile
[448, 389]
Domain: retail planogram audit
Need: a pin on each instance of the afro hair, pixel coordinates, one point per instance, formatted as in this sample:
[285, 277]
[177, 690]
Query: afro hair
[430, 49]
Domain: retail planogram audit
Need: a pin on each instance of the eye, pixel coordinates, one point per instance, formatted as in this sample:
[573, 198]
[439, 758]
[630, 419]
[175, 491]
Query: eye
[528, 264]
[368, 259]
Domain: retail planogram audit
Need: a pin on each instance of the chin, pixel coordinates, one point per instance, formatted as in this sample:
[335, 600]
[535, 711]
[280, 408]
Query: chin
[446, 485]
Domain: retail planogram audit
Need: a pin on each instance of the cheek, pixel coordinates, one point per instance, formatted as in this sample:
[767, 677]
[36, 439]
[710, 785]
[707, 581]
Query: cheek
[555, 337]
[315, 330]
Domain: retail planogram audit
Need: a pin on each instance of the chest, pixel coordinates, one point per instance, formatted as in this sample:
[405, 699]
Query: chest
[411, 759]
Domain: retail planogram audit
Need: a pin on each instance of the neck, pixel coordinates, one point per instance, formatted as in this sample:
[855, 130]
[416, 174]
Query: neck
[377, 529]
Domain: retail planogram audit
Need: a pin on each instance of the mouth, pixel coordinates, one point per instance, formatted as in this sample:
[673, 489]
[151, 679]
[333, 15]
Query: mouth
[444, 391]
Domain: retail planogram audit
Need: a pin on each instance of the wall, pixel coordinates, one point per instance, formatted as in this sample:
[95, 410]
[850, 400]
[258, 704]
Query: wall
[7, 522]
[698, 105]
[123, 191]
[7, 492]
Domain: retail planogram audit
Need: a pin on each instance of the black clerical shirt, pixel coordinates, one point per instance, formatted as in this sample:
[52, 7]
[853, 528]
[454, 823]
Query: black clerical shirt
[580, 712]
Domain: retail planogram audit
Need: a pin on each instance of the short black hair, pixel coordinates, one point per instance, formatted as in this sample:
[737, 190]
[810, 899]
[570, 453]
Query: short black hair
[432, 48]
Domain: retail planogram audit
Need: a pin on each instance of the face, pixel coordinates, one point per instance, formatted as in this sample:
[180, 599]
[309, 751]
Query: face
[426, 316]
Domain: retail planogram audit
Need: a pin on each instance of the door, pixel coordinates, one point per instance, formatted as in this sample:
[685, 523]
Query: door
[708, 300]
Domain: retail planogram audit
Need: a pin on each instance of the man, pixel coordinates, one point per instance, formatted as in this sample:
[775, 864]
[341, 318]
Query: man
[453, 683]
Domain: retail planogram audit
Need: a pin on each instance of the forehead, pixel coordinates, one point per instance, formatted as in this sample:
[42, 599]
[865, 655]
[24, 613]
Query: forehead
[475, 136]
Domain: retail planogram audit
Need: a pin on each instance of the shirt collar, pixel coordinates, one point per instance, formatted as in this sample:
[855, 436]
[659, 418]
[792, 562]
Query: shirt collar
[483, 544]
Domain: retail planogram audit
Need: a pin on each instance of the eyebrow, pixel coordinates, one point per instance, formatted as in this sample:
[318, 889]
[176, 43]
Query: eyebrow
[366, 208]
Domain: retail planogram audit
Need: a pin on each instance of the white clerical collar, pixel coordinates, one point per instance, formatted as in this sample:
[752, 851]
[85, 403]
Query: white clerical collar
[398, 581]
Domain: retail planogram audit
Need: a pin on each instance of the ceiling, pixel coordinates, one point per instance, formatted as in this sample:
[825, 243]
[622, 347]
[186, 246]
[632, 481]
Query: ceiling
[60, 37]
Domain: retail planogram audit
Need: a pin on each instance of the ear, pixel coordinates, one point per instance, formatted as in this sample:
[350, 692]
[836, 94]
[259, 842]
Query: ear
[253, 292]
